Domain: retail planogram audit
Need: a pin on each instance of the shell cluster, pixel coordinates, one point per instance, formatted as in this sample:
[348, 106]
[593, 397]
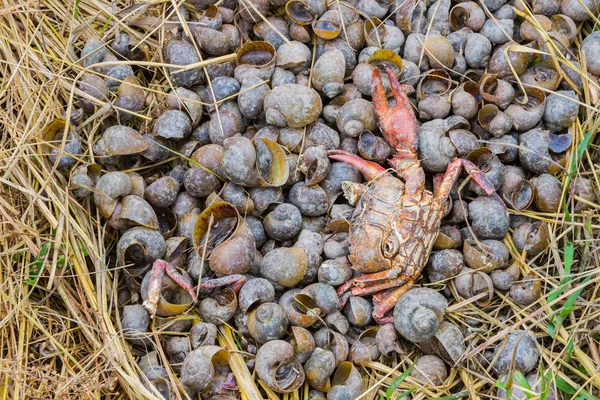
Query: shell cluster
[230, 177]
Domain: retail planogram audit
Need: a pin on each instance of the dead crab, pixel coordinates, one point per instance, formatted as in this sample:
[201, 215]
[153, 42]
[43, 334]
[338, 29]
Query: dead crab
[395, 222]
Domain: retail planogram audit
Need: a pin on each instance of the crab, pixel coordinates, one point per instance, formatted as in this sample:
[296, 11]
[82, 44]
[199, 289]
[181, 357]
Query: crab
[155, 286]
[396, 221]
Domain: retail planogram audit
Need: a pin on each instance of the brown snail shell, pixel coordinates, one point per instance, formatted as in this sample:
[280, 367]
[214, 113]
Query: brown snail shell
[527, 291]
[53, 136]
[135, 321]
[292, 105]
[464, 100]
[318, 369]
[533, 238]
[277, 367]
[448, 343]
[285, 266]
[162, 192]
[300, 309]
[284, 222]
[490, 165]
[94, 86]
[543, 75]
[335, 342]
[273, 30]
[328, 73]
[494, 121]
[180, 52]
[528, 115]
[467, 14]
[496, 91]
[444, 264]
[255, 59]
[119, 140]
[267, 322]
[485, 255]
[358, 310]
[533, 151]
[93, 52]
[346, 383]
[518, 351]
[469, 283]
[220, 308]
[430, 370]
[188, 101]
[321, 134]
[582, 187]
[564, 25]
[293, 56]
[418, 313]
[110, 188]
[373, 148]
[83, 179]
[477, 50]
[500, 65]
[516, 191]
[355, 116]
[203, 334]
[530, 32]
[448, 237]
[439, 50]
[328, 26]
[303, 342]
[130, 97]
[138, 248]
[255, 292]
[579, 11]
[324, 296]
[503, 279]
[338, 321]
[134, 210]
[561, 110]
[315, 164]
[364, 349]
[173, 300]
[498, 31]
[387, 340]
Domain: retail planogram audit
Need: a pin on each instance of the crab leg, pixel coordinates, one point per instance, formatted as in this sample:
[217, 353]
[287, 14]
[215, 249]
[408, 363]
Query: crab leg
[370, 170]
[155, 285]
[363, 288]
[236, 281]
[390, 301]
[453, 171]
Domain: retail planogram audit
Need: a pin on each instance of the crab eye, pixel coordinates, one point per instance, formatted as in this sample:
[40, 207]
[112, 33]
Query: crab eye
[390, 246]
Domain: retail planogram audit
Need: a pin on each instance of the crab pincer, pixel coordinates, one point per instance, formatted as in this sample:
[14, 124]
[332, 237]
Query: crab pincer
[159, 268]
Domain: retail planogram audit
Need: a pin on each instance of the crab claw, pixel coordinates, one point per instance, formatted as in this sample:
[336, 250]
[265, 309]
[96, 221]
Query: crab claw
[398, 124]
[370, 170]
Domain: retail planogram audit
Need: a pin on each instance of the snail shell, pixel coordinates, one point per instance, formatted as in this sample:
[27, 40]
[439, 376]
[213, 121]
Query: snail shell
[303, 342]
[277, 367]
[255, 292]
[418, 314]
[519, 349]
[203, 334]
[328, 73]
[346, 383]
[318, 369]
[292, 105]
[267, 322]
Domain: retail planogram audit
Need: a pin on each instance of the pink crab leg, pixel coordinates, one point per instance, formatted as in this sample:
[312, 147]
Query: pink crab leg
[370, 170]
[452, 173]
[364, 288]
[155, 285]
[390, 300]
[398, 123]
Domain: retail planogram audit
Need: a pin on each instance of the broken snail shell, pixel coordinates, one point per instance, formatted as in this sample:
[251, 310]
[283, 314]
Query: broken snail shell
[277, 367]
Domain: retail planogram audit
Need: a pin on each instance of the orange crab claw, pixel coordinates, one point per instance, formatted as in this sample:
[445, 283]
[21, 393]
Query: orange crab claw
[398, 124]
[370, 170]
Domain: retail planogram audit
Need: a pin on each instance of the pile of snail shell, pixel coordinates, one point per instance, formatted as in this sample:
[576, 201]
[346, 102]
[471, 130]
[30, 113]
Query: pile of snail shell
[241, 146]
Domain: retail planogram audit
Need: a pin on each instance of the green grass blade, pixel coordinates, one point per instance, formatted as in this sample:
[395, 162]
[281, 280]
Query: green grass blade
[397, 382]
[36, 266]
[455, 396]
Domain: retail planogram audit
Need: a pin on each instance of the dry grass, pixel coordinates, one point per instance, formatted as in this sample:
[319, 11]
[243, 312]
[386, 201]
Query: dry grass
[58, 332]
